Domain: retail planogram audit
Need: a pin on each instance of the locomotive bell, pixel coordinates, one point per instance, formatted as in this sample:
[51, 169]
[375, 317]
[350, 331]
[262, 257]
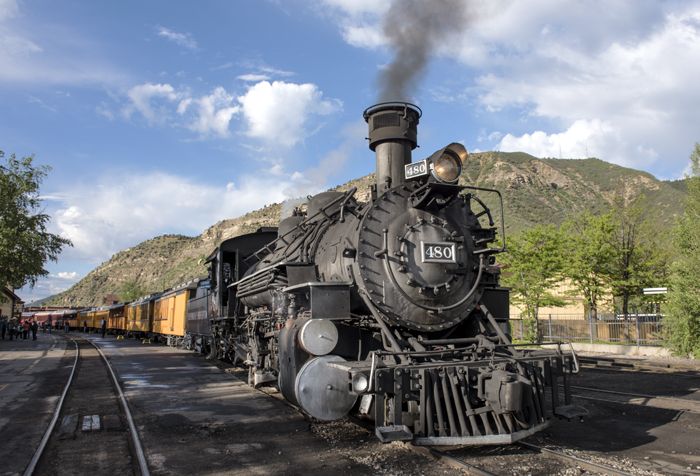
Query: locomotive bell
[393, 135]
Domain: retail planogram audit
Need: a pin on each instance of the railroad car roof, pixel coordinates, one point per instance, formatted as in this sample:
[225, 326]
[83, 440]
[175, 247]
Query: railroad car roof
[144, 299]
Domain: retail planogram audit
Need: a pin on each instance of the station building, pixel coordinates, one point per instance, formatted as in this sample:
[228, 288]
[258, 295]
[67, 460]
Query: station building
[10, 303]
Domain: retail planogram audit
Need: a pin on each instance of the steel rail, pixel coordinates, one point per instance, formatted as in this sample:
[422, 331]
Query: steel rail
[59, 406]
[662, 402]
[138, 448]
[606, 364]
[589, 465]
[639, 395]
[459, 463]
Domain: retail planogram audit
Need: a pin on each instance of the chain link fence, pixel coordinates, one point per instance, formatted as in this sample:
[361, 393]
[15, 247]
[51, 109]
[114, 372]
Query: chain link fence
[630, 329]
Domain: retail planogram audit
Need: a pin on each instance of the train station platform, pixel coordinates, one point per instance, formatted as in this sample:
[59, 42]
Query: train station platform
[193, 417]
[32, 376]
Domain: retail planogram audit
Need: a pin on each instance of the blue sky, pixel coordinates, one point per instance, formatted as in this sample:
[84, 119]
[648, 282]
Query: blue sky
[167, 116]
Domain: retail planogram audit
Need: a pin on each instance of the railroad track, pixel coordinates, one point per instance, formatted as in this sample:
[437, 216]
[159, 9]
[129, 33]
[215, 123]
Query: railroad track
[629, 365]
[92, 409]
[558, 461]
[627, 398]
[527, 454]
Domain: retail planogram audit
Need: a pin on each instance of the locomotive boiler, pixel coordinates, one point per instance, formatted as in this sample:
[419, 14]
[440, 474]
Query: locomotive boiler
[389, 310]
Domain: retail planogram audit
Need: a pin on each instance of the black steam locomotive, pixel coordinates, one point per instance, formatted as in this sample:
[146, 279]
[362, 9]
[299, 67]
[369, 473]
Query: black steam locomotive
[389, 310]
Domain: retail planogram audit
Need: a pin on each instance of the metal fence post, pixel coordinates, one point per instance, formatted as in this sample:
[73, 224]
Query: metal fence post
[638, 329]
[590, 325]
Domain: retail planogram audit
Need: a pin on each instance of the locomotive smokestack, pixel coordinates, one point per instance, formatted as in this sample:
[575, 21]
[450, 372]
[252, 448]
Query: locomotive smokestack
[393, 135]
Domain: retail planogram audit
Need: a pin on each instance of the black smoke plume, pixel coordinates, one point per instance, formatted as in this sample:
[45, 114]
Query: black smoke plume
[415, 29]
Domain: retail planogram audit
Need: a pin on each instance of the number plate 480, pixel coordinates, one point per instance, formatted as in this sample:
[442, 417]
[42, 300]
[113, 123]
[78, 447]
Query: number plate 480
[438, 252]
[416, 169]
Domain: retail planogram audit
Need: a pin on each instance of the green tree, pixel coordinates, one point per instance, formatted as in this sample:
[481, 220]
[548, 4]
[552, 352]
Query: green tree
[682, 320]
[25, 243]
[589, 254]
[638, 259]
[532, 267]
[131, 290]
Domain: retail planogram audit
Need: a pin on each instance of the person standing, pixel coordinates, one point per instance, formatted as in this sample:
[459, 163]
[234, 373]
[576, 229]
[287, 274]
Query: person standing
[3, 327]
[34, 327]
[85, 326]
[49, 323]
[103, 326]
[11, 328]
[25, 329]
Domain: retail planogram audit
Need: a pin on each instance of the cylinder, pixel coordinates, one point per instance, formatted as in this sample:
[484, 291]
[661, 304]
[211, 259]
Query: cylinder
[393, 133]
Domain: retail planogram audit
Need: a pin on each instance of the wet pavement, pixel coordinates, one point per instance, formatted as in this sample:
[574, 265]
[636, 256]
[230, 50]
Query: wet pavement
[32, 377]
[91, 433]
[657, 440]
[195, 417]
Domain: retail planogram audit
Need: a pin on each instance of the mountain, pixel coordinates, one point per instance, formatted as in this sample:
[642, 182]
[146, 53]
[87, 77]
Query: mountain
[537, 191]
[534, 191]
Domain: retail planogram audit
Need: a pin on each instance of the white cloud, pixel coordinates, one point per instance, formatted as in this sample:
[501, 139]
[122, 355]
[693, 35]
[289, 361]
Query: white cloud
[582, 139]
[276, 71]
[48, 54]
[161, 104]
[358, 8]
[364, 36]
[47, 286]
[631, 65]
[645, 90]
[262, 72]
[144, 99]
[214, 113]
[223, 66]
[8, 9]
[39, 102]
[104, 110]
[123, 210]
[183, 39]
[279, 111]
[359, 20]
[253, 77]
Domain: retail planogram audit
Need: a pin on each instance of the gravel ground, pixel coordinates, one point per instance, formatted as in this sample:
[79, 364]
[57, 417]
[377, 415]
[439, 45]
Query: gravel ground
[358, 444]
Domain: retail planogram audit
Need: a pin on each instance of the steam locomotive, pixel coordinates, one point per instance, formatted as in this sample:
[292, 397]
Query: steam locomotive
[389, 310]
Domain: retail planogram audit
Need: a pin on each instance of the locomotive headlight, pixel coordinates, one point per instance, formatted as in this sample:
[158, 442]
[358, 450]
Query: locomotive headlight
[360, 383]
[447, 167]
[446, 163]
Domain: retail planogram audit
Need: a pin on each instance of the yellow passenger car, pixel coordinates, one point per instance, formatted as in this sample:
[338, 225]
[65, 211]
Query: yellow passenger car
[170, 313]
[116, 322]
[139, 315]
[84, 319]
[74, 321]
[71, 318]
[97, 315]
